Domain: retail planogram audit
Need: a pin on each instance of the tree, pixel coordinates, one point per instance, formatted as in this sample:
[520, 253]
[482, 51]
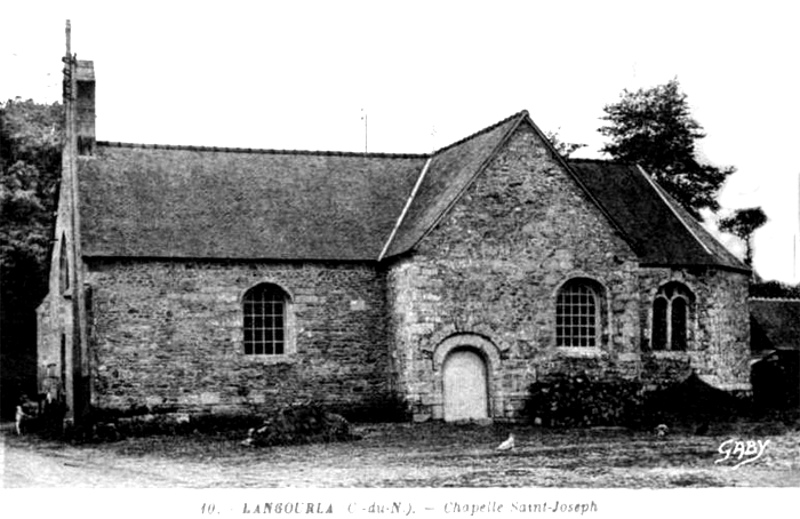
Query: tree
[743, 223]
[654, 128]
[565, 149]
[30, 169]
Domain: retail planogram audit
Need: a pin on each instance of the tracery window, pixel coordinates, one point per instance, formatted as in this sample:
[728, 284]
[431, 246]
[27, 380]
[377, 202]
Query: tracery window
[672, 308]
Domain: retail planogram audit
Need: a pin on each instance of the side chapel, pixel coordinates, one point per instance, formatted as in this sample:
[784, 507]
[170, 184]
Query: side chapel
[195, 279]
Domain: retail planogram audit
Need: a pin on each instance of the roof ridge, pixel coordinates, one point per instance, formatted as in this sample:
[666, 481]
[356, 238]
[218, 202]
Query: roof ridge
[605, 161]
[224, 149]
[521, 113]
[776, 299]
[112, 144]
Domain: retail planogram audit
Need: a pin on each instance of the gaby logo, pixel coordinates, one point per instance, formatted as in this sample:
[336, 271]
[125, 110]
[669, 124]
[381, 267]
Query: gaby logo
[747, 451]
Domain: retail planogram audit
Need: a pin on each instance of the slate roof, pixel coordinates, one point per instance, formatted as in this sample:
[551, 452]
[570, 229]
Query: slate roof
[193, 202]
[450, 172]
[222, 203]
[179, 202]
[662, 232]
[775, 324]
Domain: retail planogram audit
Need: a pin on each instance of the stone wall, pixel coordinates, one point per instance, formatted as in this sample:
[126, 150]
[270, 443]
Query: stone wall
[492, 269]
[48, 328]
[55, 339]
[57, 347]
[719, 328]
[169, 335]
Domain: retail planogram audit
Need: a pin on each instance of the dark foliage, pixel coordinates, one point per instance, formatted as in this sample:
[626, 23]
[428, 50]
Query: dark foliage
[776, 382]
[296, 424]
[309, 423]
[300, 424]
[140, 422]
[575, 400]
[775, 289]
[380, 410]
[653, 127]
[743, 223]
[691, 401]
[30, 169]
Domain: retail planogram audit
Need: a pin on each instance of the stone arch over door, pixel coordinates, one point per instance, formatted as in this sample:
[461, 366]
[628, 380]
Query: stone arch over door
[464, 366]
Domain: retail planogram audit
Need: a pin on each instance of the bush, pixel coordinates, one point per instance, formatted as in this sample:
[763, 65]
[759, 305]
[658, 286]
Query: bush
[574, 400]
[300, 424]
[102, 425]
[776, 382]
[390, 409]
[692, 401]
[295, 424]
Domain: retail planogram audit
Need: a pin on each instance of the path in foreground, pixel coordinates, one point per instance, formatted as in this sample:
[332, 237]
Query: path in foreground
[403, 455]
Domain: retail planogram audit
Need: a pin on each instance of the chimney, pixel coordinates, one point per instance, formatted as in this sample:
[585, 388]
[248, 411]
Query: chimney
[84, 107]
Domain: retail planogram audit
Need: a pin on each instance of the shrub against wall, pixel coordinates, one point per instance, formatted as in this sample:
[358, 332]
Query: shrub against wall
[300, 424]
[693, 400]
[576, 400]
[776, 382]
[307, 423]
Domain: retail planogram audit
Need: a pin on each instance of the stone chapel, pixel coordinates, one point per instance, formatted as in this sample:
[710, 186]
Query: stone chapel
[194, 279]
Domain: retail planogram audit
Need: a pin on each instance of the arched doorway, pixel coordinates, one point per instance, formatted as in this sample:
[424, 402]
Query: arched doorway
[466, 394]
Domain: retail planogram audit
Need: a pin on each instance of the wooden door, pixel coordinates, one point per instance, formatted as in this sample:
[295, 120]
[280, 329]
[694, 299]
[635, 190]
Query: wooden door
[466, 395]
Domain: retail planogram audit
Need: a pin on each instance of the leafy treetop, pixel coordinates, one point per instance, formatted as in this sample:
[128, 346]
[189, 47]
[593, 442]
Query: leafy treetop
[30, 169]
[743, 223]
[654, 128]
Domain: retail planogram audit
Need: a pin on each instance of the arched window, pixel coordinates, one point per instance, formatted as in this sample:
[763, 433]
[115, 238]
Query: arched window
[265, 320]
[578, 317]
[660, 309]
[672, 308]
[63, 267]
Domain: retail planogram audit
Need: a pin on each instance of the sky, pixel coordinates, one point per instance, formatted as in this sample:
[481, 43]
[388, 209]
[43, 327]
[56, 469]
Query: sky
[302, 75]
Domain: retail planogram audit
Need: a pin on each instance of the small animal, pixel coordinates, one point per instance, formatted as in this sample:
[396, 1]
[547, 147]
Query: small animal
[661, 430]
[508, 444]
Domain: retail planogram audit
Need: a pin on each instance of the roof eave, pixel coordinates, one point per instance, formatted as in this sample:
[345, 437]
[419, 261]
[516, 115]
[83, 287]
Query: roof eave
[222, 259]
[718, 266]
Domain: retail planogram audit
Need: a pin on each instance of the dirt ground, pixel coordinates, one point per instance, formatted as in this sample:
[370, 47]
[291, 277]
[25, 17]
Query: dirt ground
[415, 455]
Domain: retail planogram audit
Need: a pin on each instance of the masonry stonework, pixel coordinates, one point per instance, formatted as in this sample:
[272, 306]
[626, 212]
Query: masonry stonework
[492, 268]
[719, 338]
[59, 370]
[168, 335]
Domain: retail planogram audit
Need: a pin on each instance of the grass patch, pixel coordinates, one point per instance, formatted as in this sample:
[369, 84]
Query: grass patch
[436, 455]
